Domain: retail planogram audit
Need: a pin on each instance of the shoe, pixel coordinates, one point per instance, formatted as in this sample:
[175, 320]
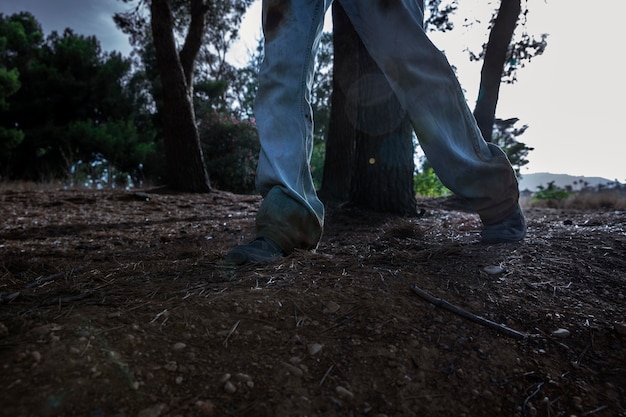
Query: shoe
[511, 229]
[261, 251]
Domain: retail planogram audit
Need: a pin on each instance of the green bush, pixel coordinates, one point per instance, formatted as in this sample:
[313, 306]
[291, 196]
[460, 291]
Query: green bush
[231, 149]
[428, 184]
[551, 193]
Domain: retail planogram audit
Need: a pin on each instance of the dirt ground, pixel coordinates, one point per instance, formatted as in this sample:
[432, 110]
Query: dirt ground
[117, 303]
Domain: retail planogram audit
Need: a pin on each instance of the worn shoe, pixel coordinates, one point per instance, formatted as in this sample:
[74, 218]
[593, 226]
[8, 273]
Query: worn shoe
[511, 229]
[260, 250]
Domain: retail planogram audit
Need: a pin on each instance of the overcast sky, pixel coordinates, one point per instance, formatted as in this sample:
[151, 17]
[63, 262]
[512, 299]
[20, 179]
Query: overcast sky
[571, 97]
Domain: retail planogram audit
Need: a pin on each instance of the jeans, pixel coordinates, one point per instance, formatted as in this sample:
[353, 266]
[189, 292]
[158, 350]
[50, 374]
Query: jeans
[291, 213]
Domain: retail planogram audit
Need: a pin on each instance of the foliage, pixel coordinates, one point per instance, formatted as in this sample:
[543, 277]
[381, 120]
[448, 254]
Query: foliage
[246, 83]
[505, 135]
[65, 80]
[231, 149]
[221, 29]
[117, 143]
[428, 184]
[523, 48]
[10, 137]
[609, 198]
[190, 39]
[551, 192]
[321, 88]
[438, 14]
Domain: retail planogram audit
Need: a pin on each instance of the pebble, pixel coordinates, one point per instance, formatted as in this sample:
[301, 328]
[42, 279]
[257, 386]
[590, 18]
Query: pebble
[344, 392]
[230, 388]
[46, 329]
[314, 348]
[493, 269]
[153, 411]
[331, 307]
[171, 366]
[179, 346]
[293, 370]
[620, 328]
[561, 333]
[36, 356]
[205, 407]
[241, 377]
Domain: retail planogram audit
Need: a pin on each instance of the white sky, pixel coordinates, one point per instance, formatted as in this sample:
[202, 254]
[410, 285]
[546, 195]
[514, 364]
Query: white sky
[570, 96]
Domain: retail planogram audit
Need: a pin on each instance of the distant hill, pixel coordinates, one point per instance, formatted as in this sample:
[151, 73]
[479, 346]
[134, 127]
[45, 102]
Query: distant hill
[531, 182]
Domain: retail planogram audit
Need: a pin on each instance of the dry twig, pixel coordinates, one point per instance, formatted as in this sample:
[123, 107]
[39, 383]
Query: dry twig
[530, 397]
[230, 333]
[39, 281]
[473, 317]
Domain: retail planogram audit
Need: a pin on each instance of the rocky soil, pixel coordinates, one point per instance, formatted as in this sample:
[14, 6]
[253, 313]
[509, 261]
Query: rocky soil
[117, 303]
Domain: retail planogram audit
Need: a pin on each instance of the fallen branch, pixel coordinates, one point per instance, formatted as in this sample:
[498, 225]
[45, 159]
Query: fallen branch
[66, 300]
[8, 297]
[464, 313]
[39, 281]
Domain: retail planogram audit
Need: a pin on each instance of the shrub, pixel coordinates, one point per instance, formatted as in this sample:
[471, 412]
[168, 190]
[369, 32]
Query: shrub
[552, 195]
[614, 198]
[231, 148]
[428, 184]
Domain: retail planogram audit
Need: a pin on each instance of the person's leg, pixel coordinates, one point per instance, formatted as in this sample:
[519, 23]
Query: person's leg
[428, 89]
[291, 215]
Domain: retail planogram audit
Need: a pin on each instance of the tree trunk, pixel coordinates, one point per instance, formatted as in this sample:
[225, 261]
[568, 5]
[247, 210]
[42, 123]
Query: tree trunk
[493, 65]
[369, 154]
[340, 144]
[185, 162]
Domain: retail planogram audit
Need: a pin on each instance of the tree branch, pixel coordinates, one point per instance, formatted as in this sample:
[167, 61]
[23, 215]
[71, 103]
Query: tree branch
[463, 313]
[193, 40]
[493, 65]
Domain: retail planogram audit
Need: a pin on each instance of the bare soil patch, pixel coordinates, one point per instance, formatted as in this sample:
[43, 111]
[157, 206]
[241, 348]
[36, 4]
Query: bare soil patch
[117, 303]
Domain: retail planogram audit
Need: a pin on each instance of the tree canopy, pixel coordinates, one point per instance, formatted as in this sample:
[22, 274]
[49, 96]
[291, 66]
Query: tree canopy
[65, 80]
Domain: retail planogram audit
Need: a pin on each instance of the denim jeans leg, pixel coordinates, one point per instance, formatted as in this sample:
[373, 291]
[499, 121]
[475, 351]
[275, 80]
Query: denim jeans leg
[428, 89]
[291, 213]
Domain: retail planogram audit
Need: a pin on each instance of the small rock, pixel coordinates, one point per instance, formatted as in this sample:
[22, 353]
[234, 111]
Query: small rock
[206, 407]
[344, 392]
[171, 366]
[225, 378]
[36, 356]
[561, 333]
[493, 270]
[331, 307]
[314, 348]
[153, 411]
[241, 377]
[230, 388]
[46, 329]
[293, 370]
[179, 380]
[179, 346]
